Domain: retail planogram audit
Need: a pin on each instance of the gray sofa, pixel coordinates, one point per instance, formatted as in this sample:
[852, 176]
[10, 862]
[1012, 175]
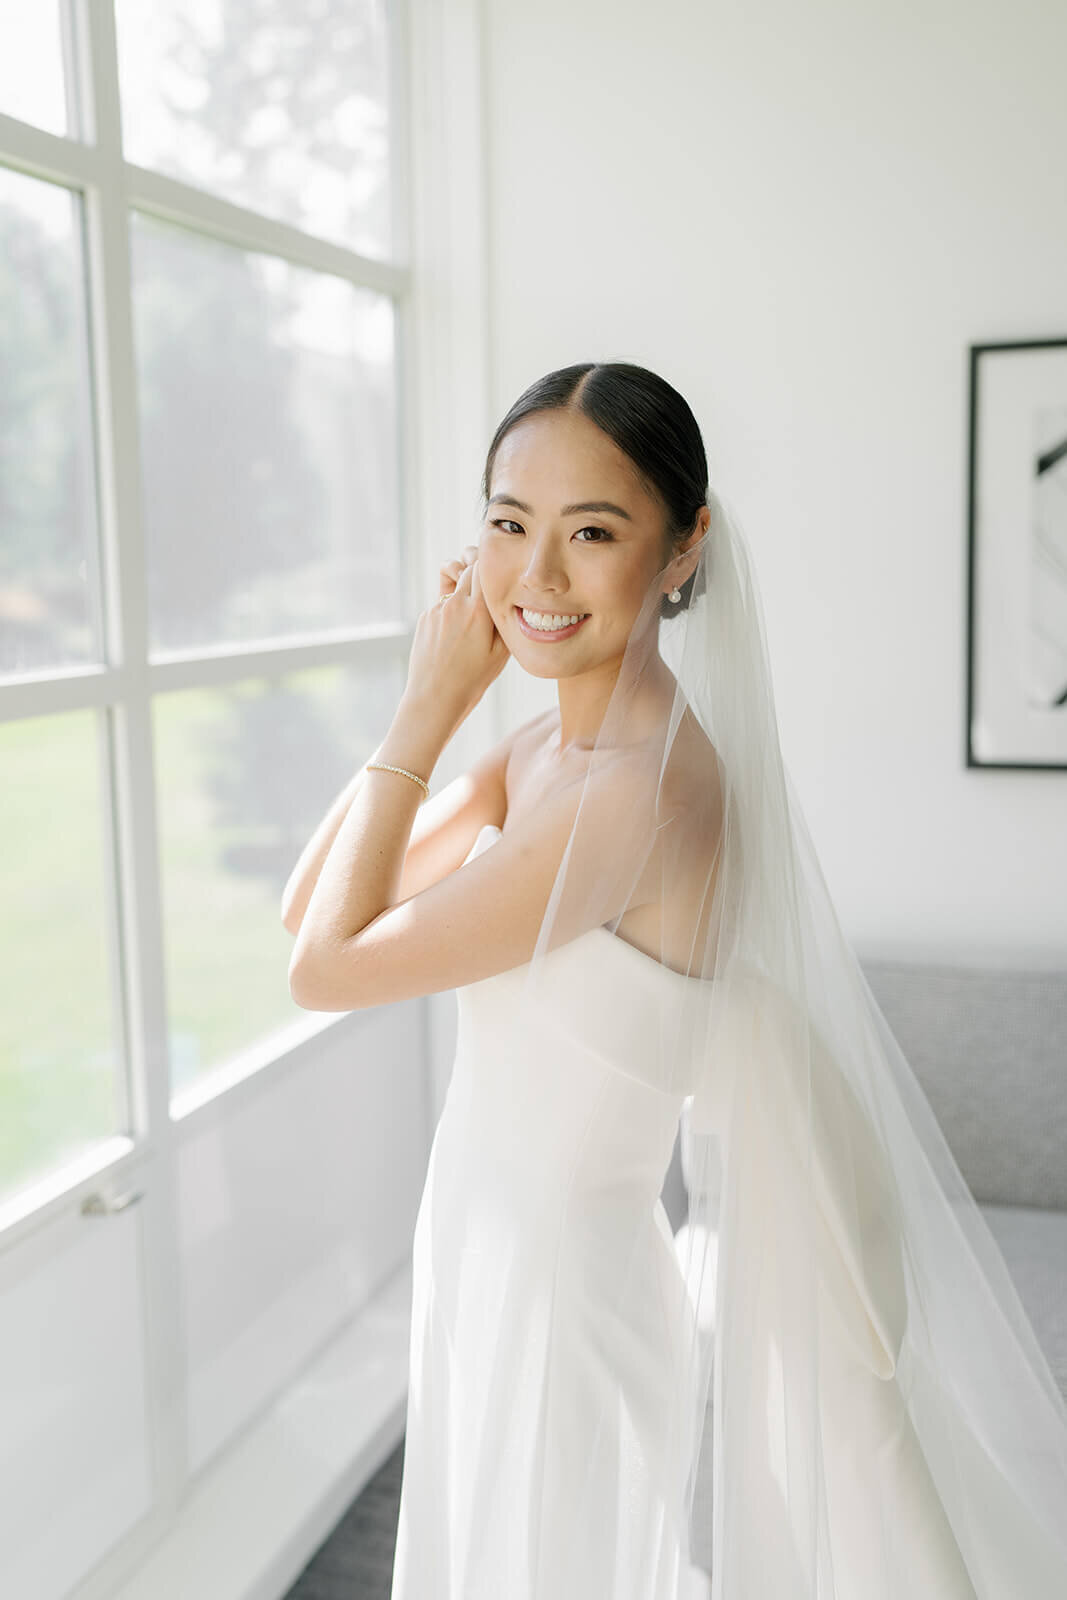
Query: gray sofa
[989, 1047]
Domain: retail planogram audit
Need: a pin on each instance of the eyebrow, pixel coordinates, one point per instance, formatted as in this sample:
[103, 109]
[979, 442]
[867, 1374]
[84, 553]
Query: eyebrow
[606, 506]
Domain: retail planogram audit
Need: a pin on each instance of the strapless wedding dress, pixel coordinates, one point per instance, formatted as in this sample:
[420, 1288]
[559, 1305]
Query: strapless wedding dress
[539, 1454]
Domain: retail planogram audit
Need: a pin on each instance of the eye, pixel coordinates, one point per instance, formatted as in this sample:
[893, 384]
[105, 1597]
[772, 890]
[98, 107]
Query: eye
[506, 523]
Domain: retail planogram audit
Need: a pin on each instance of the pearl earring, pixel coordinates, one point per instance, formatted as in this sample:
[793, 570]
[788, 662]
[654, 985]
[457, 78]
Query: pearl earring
[675, 595]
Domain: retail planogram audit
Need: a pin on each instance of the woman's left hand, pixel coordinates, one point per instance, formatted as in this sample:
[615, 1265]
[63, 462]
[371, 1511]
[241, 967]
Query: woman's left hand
[456, 652]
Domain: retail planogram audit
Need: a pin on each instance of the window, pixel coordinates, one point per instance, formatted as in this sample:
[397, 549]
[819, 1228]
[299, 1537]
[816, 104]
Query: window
[204, 613]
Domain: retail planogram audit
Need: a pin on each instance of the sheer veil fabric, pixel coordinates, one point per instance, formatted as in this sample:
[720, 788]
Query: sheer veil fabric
[859, 1405]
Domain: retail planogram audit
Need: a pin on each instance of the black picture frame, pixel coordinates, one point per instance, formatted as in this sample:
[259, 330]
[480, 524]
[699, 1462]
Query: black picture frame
[1016, 658]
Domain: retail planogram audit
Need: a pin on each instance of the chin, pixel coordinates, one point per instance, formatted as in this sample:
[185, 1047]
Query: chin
[545, 672]
[536, 666]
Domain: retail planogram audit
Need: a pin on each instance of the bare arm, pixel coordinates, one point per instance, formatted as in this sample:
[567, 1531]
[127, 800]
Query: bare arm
[360, 946]
[360, 876]
[445, 827]
[305, 874]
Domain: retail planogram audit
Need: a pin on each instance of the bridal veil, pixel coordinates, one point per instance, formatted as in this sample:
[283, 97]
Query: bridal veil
[860, 1405]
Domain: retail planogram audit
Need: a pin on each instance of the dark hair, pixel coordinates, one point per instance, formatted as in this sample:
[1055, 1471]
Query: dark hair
[648, 420]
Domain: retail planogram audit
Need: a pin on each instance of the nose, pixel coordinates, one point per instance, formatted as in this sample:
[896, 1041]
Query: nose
[544, 574]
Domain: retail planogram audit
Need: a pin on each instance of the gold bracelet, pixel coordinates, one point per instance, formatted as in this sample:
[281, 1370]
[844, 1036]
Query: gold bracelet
[383, 766]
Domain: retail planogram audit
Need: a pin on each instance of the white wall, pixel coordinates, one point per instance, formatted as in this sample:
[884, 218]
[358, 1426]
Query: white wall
[801, 214]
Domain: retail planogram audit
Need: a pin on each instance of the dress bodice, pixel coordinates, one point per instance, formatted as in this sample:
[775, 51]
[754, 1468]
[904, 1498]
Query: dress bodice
[578, 1082]
[597, 996]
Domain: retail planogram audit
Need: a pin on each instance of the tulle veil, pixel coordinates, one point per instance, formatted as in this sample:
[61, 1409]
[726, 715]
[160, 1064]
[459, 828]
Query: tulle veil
[859, 1406]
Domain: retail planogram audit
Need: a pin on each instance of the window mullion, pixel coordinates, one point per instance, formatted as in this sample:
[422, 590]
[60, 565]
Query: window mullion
[134, 820]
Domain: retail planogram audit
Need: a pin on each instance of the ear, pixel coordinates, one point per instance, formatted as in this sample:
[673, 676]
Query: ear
[683, 564]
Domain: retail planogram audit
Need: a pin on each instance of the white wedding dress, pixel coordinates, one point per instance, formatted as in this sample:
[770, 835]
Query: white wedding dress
[543, 1172]
[545, 1418]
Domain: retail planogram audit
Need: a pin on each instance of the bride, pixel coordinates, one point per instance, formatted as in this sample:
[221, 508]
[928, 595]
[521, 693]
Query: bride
[822, 1384]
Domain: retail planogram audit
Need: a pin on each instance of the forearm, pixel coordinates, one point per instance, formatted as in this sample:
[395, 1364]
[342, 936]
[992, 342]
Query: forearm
[296, 895]
[305, 874]
[360, 875]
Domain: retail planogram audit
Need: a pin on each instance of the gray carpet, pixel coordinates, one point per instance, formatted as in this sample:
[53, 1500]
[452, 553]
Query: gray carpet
[356, 1561]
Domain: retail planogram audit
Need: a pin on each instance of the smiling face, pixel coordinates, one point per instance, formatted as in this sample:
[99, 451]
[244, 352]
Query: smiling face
[570, 530]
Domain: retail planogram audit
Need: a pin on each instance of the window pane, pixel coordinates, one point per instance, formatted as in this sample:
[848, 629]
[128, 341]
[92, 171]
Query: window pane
[281, 108]
[48, 532]
[31, 63]
[60, 1081]
[269, 453]
[244, 775]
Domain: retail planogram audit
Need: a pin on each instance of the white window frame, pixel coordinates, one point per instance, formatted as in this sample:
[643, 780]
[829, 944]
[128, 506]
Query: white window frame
[126, 682]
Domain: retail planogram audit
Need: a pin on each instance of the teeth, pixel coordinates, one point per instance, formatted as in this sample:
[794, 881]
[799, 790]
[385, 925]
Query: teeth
[548, 621]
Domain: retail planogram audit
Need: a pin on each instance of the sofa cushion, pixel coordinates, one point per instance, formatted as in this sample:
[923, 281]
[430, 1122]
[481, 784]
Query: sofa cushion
[989, 1048]
[1033, 1243]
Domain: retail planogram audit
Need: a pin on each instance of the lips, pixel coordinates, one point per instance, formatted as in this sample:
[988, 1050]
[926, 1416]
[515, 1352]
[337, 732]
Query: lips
[548, 635]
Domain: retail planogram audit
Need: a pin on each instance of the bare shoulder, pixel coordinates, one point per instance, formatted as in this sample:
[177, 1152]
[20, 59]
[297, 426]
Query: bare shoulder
[689, 804]
[514, 747]
[694, 793]
[526, 774]
[692, 779]
[447, 825]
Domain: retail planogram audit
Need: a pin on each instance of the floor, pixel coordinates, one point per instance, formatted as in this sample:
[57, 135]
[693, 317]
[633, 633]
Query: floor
[356, 1561]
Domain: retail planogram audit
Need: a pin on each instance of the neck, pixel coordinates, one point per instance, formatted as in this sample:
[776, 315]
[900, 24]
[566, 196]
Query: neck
[583, 700]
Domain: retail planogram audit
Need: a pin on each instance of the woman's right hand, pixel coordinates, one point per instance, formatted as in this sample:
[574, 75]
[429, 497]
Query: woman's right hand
[456, 651]
[451, 571]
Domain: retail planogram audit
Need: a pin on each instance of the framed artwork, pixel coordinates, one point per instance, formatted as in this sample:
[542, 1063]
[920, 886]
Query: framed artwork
[1017, 556]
